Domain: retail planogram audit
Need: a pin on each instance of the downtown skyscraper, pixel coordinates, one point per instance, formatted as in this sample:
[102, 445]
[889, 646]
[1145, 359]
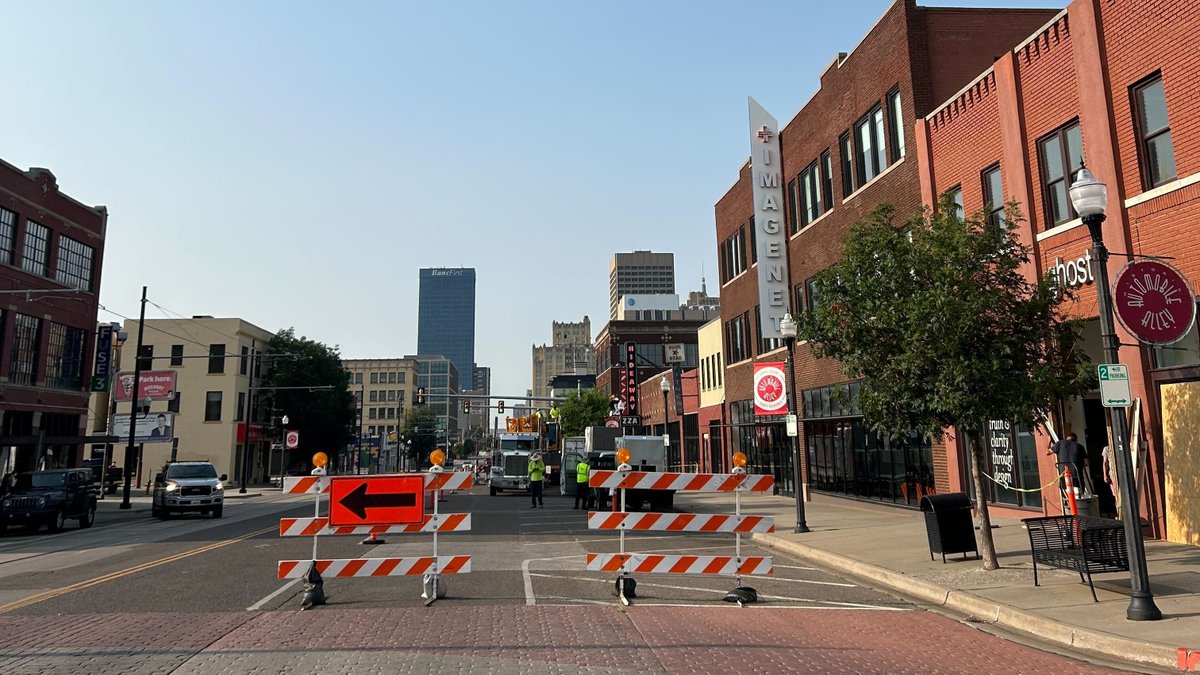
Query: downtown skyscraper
[446, 318]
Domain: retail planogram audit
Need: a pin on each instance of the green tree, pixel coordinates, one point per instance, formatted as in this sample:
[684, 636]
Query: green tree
[938, 320]
[420, 427]
[305, 380]
[582, 409]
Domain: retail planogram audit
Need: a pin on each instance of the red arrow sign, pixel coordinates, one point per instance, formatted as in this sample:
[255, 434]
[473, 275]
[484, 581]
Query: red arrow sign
[376, 500]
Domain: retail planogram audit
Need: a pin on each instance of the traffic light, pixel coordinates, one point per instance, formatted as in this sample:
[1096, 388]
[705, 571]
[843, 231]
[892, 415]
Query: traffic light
[420, 395]
[500, 407]
[466, 406]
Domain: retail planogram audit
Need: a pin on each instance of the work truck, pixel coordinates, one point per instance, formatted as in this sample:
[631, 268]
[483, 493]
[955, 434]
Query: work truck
[510, 462]
[646, 453]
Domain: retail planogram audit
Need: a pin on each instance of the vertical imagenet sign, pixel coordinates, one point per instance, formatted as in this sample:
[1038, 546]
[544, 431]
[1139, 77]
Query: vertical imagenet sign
[769, 231]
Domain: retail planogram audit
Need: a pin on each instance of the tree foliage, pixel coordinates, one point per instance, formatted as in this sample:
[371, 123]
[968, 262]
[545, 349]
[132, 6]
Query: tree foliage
[938, 320]
[306, 381]
[420, 427]
[582, 409]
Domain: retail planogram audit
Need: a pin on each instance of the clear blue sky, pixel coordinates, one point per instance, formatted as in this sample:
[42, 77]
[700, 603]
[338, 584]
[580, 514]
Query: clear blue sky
[295, 163]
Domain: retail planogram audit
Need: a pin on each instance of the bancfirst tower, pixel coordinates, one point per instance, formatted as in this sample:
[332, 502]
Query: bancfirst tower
[446, 318]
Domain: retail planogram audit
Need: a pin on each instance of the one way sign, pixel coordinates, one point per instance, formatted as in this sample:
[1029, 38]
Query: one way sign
[376, 500]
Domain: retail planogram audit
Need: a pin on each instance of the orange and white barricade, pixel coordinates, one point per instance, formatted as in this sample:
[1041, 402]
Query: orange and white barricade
[625, 564]
[373, 513]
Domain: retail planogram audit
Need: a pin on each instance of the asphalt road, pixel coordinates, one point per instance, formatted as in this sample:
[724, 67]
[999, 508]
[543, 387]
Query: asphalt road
[193, 594]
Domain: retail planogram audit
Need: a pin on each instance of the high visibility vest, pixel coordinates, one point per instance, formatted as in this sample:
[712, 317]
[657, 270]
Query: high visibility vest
[581, 472]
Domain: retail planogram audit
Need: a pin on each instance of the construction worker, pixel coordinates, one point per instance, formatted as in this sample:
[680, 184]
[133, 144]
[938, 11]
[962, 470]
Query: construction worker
[537, 471]
[582, 492]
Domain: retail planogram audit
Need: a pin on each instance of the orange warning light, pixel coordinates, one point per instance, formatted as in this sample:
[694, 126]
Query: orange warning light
[320, 460]
[623, 456]
[739, 459]
[437, 457]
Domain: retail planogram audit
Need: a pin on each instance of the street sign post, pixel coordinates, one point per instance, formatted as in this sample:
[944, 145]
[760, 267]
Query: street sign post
[376, 500]
[1114, 385]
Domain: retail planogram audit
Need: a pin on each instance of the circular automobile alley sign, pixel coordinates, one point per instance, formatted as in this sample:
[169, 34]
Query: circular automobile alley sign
[1154, 301]
[770, 393]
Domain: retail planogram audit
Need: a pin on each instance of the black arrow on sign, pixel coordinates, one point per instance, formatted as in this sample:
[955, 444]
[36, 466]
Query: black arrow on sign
[359, 501]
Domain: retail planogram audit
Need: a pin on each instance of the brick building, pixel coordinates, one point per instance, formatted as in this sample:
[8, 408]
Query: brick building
[1116, 83]
[51, 250]
[847, 150]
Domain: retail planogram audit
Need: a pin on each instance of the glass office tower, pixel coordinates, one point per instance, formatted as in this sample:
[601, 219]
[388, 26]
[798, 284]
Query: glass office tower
[446, 318]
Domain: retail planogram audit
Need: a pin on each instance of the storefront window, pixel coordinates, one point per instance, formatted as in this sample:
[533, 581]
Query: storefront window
[1186, 352]
[1010, 465]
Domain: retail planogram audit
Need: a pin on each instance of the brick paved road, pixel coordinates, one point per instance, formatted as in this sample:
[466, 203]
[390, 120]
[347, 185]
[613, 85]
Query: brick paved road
[516, 639]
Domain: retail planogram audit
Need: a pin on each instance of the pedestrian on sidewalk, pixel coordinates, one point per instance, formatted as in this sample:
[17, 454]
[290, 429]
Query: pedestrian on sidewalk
[537, 471]
[582, 491]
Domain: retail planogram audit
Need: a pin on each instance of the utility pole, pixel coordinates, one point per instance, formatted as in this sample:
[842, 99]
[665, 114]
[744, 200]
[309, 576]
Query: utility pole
[137, 381]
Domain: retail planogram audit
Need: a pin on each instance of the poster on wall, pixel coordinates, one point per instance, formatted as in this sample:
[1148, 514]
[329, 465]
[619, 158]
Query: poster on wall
[1000, 443]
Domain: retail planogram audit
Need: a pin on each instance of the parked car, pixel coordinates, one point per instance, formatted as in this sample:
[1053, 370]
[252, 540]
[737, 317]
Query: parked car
[188, 486]
[50, 498]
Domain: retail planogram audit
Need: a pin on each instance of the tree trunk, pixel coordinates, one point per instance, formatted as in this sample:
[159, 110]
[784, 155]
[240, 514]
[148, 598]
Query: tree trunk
[987, 549]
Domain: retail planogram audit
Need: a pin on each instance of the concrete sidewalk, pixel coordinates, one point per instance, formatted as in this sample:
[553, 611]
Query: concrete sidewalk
[887, 547]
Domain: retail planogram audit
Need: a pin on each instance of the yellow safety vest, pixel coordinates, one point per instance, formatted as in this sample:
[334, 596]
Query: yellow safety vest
[581, 472]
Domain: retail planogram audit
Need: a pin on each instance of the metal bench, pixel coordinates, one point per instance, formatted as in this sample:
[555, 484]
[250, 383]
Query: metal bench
[1085, 544]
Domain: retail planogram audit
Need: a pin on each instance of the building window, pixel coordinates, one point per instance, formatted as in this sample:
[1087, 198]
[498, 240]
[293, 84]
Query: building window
[896, 121]
[216, 359]
[74, 263]
[733, 255]
[793, 199]
[737, 338]
[868, 135]
[391, 396]
[177, 355]
[33, 258]
[64, 357]
[241, 405]
[374, 378]
[798, 300]
[391, 378]
[373, 396]
[374, 412]
[1060, 154]
[810, 188]
[956, 194]
[844, 147]
[212, 406]
[173, 403]
[244, 362]
[827, 180]
[753, 241]
[8, 235]
[391, 413]
[23, 358]
[993, 194]
[812, 295]
[1154, 133]
[358, 378]
[399, 378]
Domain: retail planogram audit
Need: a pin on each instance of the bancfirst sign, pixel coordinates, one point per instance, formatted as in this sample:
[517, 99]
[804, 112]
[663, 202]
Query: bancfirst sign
[769, 232]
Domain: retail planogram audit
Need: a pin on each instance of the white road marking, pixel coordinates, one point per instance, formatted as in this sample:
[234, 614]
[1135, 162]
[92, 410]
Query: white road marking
[259, 605]
[526, 575]
[798, 567]
[797, 581]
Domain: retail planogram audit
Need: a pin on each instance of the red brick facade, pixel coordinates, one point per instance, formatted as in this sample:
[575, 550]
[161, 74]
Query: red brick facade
[1083, 67]
[46, 361]
[926, 54]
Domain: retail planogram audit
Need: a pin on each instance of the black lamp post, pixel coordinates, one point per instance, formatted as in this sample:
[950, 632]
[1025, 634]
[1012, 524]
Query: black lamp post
[665, 387]
[787, 327]
[1090, 198]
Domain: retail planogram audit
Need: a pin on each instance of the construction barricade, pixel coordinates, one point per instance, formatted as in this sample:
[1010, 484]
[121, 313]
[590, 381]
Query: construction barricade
[625, 564]
[375, 505]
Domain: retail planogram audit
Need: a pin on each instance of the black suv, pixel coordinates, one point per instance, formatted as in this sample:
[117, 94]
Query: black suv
[50, 497]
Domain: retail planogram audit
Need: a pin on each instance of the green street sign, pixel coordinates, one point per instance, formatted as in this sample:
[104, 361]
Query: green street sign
[99, 383]
[1114, 385]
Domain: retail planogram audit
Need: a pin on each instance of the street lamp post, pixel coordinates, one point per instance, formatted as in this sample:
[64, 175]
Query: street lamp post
[137, 381]
[664, 387]
[283, 422]
[787, 327]
[1090, 198]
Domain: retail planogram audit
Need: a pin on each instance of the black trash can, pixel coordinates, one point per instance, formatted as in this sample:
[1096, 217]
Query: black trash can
[948, 524]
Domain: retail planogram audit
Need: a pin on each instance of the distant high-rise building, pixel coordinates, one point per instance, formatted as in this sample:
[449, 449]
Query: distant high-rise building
[639, 273]
[701, 299]
[569, 353]
[446, 318]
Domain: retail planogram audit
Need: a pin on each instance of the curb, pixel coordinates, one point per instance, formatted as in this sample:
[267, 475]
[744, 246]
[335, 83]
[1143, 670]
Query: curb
[989, 611]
